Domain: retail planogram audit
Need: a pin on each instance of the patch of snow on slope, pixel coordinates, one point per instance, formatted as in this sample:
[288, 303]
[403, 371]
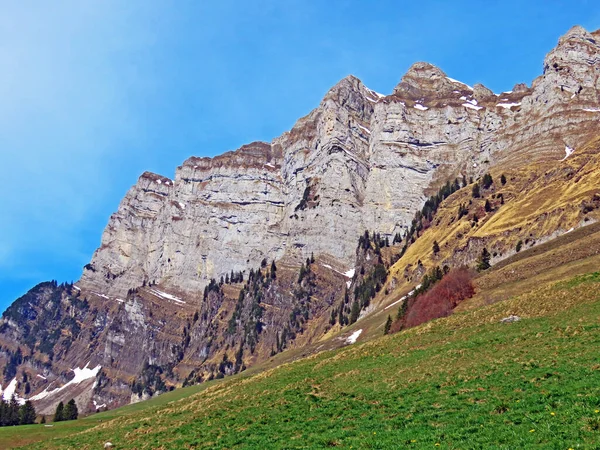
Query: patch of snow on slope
[469, 105]
[328, 266]
[350, 273]
[41, 376]
[569, 151]
[395, 303]
[10, 390]
[165, 295]
[592, 109]
[459, 82]
[353, 337]
[420, 107]
[80, 375]
[508, 105]
[366, 130]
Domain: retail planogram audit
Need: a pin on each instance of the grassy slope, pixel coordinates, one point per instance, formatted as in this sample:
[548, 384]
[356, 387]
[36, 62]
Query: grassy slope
[467, 381]
[396, 387]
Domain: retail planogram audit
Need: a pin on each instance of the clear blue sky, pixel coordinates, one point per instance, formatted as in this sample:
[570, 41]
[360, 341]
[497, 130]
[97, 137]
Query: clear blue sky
[93, 93]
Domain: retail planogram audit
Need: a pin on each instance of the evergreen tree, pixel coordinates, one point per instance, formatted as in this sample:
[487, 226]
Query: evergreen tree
[43, 420]
[13, 411]
[70, 411]
[312, 258]
[487, 181]
[483, 262]
[488, 206]
[475, 191]
[58, 414]
[355, 312]
[388, 325]
[503, 180]
[27, 414]
[436, 247]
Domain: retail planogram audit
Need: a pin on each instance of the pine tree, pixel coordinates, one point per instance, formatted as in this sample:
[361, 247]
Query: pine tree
[13, 412]
[43, 420]
[273, 270]
[475, 191]
[312, 258]
[70, 411]
[503, 179]
[436, 247]
[487, 181]
[388, 325]
[488, 206]
[58, 414]
[483, 262]
[355, 312]
[27, 414]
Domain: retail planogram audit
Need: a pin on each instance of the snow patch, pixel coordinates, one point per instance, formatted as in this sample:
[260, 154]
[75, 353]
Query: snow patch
[376, 94]
[76, 288]
[328, 266]
[592, 109]
[353, 337]
[101, 295]
[395, 303]
[569, 230]
[182, 205]
[507, 92]
[348, 283]
[459, 82]
[166, 296]
[569, 151]
[41, 376]
[9, 391]
[350, 273]
[366, 130]
[80, 375]
[420, 107]
[469, 105]
[97, 406]
[120, 300]
[508, 105]
[159, 181]
[269, 165]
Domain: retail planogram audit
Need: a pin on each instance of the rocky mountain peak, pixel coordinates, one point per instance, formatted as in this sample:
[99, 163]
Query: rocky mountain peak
[423, 79]
[576, 47]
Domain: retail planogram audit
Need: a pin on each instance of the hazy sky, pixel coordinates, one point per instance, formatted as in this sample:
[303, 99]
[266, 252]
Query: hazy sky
[92, 93]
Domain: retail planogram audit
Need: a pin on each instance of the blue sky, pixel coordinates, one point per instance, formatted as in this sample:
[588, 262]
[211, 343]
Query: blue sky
[93, 93]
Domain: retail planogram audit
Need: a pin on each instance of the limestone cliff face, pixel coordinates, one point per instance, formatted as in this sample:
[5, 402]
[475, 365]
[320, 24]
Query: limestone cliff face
[359, 161]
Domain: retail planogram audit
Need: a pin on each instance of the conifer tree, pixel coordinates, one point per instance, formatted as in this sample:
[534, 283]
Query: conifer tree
[58, 414]
[436, 247]
[70, 411]
[27, 414]
[483, 262]
[388, 325]
[355, 312]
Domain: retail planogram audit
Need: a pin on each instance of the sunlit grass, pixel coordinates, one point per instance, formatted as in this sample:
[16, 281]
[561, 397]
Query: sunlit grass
[466, 381]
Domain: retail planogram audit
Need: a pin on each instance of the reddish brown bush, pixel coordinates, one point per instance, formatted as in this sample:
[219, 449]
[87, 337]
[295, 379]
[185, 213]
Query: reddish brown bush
[439, 301]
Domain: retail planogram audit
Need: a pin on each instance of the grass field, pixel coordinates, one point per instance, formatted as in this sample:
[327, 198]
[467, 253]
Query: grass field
[466, 381]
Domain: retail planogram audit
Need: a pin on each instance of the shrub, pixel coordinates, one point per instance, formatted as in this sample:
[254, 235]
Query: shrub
[441, 299]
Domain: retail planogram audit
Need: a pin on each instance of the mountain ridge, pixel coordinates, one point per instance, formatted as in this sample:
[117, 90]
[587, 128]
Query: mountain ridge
[359, 161]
